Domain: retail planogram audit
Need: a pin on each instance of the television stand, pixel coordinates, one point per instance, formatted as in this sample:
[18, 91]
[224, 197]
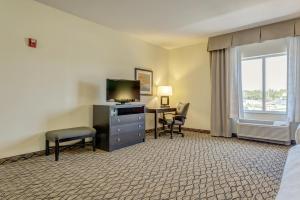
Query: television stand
[119, 126]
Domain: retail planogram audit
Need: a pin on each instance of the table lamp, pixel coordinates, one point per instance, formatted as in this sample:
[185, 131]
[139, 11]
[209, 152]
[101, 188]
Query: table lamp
[164, 92]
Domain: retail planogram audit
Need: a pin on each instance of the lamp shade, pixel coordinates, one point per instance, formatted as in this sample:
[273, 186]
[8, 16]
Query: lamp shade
[164, 91]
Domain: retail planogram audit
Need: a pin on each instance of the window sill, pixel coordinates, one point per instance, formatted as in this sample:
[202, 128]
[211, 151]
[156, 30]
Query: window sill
[265, 113]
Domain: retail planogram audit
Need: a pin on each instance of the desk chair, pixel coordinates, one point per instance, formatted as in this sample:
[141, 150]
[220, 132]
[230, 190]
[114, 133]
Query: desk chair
[175, 119]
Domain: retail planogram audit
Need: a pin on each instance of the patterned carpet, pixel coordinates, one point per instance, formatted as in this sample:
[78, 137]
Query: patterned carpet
[197, 166]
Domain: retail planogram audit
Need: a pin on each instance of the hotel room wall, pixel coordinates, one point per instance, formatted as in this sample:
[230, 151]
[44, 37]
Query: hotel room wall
[54, 85]
[189, 74]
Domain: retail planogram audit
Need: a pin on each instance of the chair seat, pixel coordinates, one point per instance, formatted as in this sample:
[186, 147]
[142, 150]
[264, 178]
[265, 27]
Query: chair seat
[169, 121]
[70, 133]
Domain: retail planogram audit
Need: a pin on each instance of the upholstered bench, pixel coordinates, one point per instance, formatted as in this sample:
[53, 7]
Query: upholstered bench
[69, 134]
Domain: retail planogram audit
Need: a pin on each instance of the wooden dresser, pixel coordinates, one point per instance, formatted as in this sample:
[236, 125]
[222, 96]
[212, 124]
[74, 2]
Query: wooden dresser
[118, 126]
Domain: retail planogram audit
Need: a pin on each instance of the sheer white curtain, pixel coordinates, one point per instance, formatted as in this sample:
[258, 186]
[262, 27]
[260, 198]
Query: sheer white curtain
[294, 79]
[235, 77]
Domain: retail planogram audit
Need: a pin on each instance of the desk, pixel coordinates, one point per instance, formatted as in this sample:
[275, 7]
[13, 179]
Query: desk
[156, 111]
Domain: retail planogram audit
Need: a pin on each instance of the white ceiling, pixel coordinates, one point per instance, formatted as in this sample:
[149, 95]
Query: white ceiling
[176, 23]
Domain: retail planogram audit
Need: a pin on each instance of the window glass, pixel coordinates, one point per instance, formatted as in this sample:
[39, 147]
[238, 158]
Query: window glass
[276, 83]
[264, 76]
[252, 84]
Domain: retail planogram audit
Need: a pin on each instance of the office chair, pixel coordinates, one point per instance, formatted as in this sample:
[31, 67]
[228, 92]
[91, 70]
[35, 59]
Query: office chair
[178, 119]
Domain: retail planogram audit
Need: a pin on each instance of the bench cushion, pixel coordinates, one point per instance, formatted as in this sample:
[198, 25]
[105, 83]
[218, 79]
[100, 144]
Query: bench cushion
[70, 133]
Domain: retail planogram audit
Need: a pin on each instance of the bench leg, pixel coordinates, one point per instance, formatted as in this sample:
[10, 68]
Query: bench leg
[82, 143]
[94, 143]
[56, 150]
[47, 148]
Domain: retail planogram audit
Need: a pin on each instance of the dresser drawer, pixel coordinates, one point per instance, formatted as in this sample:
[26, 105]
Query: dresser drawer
[126, 119]
[127, 128]
[126, 139]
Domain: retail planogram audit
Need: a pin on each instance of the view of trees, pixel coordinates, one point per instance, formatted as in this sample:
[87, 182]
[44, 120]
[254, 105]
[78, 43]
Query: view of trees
[270, 94]
[275, 100]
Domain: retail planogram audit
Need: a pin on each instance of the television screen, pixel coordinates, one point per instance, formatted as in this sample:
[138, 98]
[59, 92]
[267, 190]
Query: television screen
[122, 90]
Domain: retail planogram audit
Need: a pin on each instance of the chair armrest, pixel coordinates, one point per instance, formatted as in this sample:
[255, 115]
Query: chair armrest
[179, 117]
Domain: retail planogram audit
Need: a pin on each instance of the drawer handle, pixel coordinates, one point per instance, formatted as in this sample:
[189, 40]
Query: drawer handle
[140, 118]
[118, 139]
[118, 119]
[119, 130]
[140, 126]
[139, 134]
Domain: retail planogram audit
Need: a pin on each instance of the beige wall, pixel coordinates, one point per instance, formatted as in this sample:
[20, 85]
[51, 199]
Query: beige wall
[54, 85]
[190, 77]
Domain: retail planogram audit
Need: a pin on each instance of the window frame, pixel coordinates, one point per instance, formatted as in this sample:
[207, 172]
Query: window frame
[263, 57]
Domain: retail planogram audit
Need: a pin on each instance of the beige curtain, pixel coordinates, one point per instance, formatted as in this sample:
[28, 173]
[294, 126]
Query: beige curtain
[297, 28]
[290, 28]
[220, 84]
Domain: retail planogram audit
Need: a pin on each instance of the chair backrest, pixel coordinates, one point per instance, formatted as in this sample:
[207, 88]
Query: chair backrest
[182, 109]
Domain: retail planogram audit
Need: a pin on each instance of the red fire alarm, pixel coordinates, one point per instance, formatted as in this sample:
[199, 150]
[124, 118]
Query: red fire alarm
[32, 42]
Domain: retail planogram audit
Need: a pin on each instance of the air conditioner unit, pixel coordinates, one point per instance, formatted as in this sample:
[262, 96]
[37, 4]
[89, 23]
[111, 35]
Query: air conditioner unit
[268, 131]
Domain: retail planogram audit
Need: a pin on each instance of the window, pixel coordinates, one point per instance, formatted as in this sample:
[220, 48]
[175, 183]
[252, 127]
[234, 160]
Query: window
[264, 83]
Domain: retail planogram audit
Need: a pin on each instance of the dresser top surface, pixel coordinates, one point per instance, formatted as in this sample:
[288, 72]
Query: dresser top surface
[122, 105]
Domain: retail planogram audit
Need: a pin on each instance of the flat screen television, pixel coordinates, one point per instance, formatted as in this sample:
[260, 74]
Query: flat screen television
[122, 91]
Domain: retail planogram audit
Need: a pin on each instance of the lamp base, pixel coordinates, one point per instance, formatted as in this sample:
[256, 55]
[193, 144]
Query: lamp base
[164, 106]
